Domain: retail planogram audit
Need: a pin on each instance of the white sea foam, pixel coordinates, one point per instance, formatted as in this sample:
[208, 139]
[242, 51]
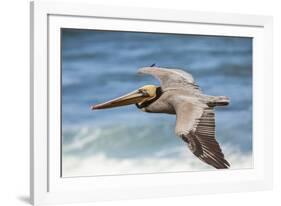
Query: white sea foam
[101, 165]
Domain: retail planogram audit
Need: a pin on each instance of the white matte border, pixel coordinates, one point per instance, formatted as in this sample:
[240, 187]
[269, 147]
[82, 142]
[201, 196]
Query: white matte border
[48, 187]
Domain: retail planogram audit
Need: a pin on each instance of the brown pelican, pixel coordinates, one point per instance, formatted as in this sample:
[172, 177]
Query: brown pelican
[178, 94]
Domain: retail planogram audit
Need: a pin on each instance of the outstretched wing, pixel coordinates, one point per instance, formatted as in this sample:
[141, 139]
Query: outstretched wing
[171, 78]
[196, 126]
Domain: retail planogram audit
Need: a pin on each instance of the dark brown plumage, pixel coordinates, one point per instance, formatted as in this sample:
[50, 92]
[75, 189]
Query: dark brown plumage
[201, 141]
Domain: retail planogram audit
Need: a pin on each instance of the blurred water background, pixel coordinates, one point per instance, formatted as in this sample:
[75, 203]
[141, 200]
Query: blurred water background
[100, 65]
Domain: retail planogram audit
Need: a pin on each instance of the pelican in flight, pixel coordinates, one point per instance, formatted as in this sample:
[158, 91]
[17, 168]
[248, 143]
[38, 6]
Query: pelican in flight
[179, 95]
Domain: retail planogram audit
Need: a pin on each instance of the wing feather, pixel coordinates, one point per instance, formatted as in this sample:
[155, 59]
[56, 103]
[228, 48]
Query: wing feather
[199, 134]
[172, 78]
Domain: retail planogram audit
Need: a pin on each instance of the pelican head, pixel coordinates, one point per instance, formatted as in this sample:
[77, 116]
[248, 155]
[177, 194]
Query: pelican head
[140, 97]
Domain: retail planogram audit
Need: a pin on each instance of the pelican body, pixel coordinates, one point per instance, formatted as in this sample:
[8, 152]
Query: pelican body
[178, 94]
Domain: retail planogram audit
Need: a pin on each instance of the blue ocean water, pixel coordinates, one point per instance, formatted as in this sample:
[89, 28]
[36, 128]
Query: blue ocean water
[100, 65]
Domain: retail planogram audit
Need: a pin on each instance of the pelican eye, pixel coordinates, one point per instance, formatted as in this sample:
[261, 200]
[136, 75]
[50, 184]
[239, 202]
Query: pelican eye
[144, 92]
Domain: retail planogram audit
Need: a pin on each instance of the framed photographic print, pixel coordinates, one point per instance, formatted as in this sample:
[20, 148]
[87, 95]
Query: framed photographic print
[126, 105]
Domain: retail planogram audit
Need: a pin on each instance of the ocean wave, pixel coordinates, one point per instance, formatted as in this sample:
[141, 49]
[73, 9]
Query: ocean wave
[139, 137]
[100, 164]
[128, 132]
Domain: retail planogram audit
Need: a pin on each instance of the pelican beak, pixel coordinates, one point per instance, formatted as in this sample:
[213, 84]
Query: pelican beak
[131, 98]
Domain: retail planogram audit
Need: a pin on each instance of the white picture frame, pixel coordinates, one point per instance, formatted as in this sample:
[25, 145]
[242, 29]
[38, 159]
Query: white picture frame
[47, 186]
